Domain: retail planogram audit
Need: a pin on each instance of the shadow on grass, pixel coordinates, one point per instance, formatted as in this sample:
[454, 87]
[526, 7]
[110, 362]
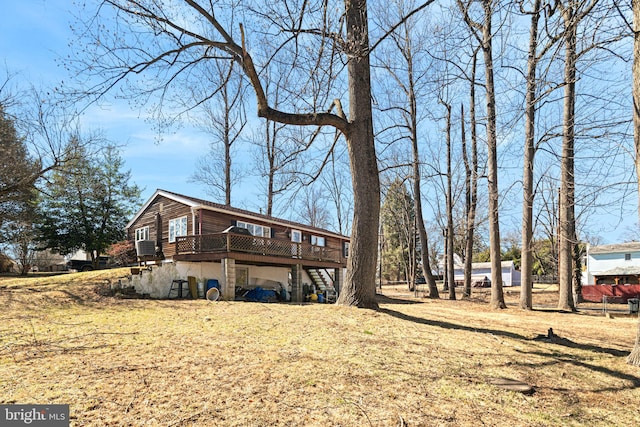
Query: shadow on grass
[384, 299]
[556, 341]
[497, 332]
[449, 325]
[569, 359]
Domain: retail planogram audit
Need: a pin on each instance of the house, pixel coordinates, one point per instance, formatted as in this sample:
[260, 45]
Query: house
[481, 273]
[179, 236]
[612, 264]
[611, 272]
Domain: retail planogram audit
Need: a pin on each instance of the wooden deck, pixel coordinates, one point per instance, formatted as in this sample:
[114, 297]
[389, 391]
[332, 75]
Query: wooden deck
[259, 250]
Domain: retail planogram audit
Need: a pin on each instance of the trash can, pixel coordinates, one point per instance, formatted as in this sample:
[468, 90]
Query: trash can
[633, 304]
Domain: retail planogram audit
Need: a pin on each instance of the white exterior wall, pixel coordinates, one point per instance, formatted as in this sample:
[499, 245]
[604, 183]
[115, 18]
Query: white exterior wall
[510, 276]
[264, 276]
[202, 271]
[157, 281]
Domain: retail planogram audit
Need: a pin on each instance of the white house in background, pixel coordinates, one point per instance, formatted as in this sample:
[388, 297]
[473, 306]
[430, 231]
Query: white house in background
[612, 264]
[480, 270]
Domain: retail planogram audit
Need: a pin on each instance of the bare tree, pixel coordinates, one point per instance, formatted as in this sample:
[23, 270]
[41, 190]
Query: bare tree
[634, 356]
[471, 178]
[335, 181]
[535, 54]
[223, 118]
[408, 44]
[483, 33]
[572, 14]
[173, 41]
[526, 285]
[44, 127]
[313, 208]
[280, 148]
[449, 232]
[399, 231]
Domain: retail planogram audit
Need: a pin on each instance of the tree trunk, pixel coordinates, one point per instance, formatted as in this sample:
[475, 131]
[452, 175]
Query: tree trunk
[468, 249]
[417, 200]
[567, 184]
[449, 233]
[634, 357]
[526, 266]
[360, 287]
[227, 146]
[270, 149]
[577, 273]
[636, 91]
[497, 295]
[472, 180]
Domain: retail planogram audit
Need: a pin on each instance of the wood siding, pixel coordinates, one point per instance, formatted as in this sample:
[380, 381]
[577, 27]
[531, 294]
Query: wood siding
[168, 209]
[211, 222]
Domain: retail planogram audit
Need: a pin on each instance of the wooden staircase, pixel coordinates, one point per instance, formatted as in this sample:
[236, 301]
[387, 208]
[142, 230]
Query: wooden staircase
[323, 283]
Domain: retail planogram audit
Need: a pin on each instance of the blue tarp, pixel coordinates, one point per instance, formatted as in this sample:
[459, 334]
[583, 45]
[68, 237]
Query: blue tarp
[260, 295]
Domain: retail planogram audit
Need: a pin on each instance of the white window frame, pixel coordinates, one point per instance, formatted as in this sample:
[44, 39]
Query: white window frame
[318, 241]
[296, 236]
[255, 229]
[142, 233]
[346, 249]
[177, 227]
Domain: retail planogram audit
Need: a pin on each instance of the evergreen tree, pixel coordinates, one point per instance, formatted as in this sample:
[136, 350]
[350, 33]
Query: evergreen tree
[17, 170]
[87, 204]
[399, 231]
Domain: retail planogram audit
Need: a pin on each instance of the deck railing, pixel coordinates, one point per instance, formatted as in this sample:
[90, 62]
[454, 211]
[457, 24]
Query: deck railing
[229, 242]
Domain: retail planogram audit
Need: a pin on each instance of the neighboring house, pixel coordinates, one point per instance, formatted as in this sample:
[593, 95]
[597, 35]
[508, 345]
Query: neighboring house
[612, 264]
[482, 270]
[47, 260]
[611, 272]
[238, 248]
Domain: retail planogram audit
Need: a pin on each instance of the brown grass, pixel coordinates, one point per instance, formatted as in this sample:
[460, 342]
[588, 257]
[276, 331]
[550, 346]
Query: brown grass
[416, 362]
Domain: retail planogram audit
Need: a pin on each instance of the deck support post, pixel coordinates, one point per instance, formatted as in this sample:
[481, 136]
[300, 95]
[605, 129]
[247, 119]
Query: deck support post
[338, 279]
[229, 284]
[296, 283]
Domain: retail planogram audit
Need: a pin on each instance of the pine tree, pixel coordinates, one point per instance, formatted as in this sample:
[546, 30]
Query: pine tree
[87, 205]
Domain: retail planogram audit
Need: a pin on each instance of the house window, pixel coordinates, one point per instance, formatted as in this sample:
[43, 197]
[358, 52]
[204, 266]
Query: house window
[142, 233]
[627, 257]
[317, 241]
[346, 249]
[296, 236]
[254, 229]
[177, 227]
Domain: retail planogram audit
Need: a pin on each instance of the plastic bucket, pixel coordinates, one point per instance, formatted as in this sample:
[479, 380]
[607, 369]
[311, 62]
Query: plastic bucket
[320, 297]
[213, 294]
[212, 283]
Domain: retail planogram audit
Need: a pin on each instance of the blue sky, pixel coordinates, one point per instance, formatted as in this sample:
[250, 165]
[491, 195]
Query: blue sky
[33, 35]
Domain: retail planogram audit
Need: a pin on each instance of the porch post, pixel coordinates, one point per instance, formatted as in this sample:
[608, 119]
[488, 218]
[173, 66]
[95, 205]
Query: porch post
[338, 279]
[296, 283]
[229, 285]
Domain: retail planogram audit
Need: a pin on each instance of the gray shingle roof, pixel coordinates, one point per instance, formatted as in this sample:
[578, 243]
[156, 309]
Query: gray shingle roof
[615, 248]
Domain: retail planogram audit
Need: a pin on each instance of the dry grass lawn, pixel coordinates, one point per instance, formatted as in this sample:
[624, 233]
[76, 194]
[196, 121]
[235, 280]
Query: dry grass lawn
[416, 362]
